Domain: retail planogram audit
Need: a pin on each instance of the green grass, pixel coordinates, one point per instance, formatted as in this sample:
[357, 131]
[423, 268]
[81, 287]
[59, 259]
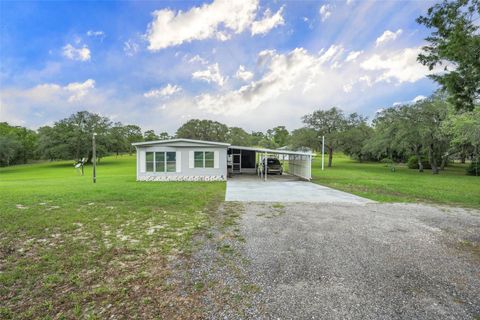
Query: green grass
[71, 248]
[376, 181]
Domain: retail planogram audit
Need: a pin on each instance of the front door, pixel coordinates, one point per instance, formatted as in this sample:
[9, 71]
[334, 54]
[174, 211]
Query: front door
[236, 163]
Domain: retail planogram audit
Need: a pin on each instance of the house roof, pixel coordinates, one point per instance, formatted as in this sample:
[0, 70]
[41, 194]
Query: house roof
[220, 144]
[202, 142]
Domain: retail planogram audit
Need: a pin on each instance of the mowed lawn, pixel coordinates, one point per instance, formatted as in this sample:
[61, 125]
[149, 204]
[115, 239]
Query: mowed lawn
[73, 249]
[376, 181]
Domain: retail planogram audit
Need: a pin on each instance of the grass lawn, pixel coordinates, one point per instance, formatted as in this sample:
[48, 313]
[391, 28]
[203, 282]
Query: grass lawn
[376, 181]
[73, 249]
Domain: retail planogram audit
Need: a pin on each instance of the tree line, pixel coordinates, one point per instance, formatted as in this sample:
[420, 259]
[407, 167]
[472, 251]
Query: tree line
[427, 134]
[71, 138]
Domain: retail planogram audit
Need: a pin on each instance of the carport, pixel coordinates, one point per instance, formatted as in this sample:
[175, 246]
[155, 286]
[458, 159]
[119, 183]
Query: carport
[246, 160]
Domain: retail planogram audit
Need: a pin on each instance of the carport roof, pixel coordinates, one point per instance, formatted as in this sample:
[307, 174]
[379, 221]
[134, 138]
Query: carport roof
[276, 151]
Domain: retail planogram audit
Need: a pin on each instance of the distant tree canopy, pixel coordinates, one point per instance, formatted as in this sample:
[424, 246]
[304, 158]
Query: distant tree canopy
[428, 132]
[207, 130]
[17, 144]
[71, 138]
[414, 129]
[454, 44]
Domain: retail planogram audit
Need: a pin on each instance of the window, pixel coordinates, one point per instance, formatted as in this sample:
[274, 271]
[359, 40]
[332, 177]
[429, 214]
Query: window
[198, 158]
[203, 159]
[149, 160]
[273, 161]
[161, 161]
[171, 161]
[208, 159]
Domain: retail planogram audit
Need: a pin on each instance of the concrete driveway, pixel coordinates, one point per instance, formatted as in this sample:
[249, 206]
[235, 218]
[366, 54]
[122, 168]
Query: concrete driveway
[285, 188]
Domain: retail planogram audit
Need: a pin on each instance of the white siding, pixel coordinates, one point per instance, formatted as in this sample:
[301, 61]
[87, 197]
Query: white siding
[190, 159]
[142, 160]
[216, 159]
[178, 161]
[185, 169]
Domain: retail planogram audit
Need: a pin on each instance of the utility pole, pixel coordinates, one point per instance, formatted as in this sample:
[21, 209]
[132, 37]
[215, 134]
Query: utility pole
[94, 157]
[323, 152]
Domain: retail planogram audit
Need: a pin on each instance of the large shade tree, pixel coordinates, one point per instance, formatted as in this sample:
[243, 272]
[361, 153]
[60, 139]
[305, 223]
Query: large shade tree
[133, 133]
[454, 44]
[329, 123]
[71, 138]
[207, 130]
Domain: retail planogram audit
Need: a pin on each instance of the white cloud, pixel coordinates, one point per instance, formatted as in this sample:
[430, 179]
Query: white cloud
[333, 54]
[166, 91]
[325, 12]
[211, 74]
[368, 81]
[299, 80]
[243, 74]
[295, 69]
[419, 98]
[51, 92]
[99, 34]
[388, 36]
[130, 48]
[348, 88]
[353, 55]
[217, 20]
[268, 22]
[198, 59]
[401, 66]
[79, 54]
[79, 89]
[414, 100]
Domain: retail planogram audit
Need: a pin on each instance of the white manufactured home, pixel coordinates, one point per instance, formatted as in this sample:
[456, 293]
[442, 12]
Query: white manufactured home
[196, 160]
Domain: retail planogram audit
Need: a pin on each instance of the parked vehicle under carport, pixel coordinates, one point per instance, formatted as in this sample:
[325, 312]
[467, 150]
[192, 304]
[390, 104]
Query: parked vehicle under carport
[274, 166]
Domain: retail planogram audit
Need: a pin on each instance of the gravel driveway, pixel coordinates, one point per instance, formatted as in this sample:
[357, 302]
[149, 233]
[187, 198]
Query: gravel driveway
[374, 261]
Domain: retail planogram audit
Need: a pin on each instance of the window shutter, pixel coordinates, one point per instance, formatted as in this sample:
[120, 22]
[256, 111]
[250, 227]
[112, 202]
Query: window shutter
[142, 161]
[190, 159]
[178, 161]
[216, 159]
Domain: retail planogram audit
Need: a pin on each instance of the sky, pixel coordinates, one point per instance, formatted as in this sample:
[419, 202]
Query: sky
[248, 63]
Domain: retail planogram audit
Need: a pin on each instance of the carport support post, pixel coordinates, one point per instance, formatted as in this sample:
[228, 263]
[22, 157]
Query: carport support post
[265, 165]
[257, 164]
[323, 152]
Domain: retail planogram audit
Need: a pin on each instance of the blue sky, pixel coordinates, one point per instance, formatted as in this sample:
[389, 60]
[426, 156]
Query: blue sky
[253, 64]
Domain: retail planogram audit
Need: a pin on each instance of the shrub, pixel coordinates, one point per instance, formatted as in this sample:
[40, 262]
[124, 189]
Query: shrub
[412, 163]
[386, 161]
[473, 169]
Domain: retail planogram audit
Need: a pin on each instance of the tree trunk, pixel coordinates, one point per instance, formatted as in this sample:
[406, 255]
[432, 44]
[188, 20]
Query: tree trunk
[463, 157]
[89, 158]
[444, 162]
[419, 159]
[432, 160]
[330, 156]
